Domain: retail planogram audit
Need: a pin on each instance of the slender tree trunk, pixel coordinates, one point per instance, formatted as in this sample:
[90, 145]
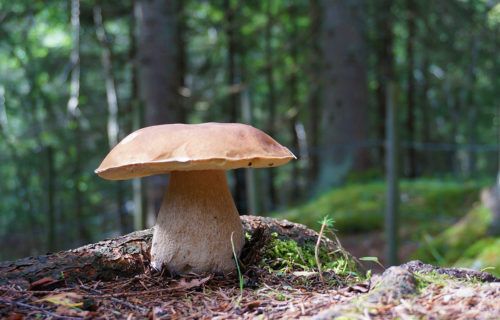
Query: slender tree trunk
[471, 104]
[425, 133]
[159, 77]
[384, 66]
[294, 104]
[392, 178]
[111, 95]
[136, 110]
[314, 93]
[182, 60]
[410, 94]
[74, 115]
[271, 101]
[345, 91]
[234, 98]
[51, 214]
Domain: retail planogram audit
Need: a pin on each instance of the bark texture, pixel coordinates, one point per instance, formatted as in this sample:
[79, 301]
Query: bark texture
[159, 76]
[345, 91]
[124, 256]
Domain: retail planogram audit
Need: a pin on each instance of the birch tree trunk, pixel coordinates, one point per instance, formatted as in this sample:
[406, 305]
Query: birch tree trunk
[74, 116]
[113, 127]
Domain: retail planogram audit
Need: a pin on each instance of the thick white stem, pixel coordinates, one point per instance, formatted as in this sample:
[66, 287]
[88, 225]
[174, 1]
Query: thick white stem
[194, 225]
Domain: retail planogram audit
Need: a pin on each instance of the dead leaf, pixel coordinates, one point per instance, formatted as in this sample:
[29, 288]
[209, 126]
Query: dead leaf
[185, 285]
[360, 288]
[306, 274]
[46, 283]
[65, 299]
[73, 312]
[252, 305]
[15, 316]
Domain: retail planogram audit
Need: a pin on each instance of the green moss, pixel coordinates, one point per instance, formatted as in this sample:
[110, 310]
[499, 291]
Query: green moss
[452, 243]
[423, 280]
[482, 255]
[287, 255]
[360, 207]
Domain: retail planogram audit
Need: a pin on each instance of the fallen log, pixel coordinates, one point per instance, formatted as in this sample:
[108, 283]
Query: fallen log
[123, 256]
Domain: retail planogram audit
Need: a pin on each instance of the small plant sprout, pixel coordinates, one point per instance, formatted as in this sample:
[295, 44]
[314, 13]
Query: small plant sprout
[327, 222]
[235, 256]
[372, 259]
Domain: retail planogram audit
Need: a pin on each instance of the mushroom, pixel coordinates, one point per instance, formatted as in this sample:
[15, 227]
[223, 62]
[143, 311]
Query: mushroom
[198, 223]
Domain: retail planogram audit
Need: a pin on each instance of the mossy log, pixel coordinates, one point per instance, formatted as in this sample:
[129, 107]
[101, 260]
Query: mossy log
[123, 256]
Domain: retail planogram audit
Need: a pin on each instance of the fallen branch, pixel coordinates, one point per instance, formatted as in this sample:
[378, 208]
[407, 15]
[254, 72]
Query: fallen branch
[124, 256]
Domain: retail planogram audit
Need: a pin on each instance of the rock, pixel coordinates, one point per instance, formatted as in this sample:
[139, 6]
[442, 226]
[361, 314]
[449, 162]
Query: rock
[459, 273]
[394, 284]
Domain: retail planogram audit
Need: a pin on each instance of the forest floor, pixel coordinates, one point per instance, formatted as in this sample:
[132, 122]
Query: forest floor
[275, 284]
[395, 294]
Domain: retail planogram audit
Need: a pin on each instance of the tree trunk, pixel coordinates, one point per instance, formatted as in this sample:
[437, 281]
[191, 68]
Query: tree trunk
[425, 110]
[135, 108]
[294, 105]
[314, 93]
[74, 116]
[233, 79]
[111, 95]
[51, 214]
[127, 255]
[345, 91]
[271, 101]
[410, 92]
[471, 104]
[384, 65]
[159, 77]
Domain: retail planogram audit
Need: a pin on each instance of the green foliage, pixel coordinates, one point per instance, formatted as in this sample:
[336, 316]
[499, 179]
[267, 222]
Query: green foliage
[360, 207]
[447, 247]
[482, 255]
[287, 255]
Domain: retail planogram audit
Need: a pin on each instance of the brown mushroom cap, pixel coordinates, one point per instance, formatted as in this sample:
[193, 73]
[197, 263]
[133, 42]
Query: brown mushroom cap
[185, 147]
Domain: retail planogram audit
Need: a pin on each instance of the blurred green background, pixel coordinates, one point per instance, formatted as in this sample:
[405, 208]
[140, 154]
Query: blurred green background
[77, 77]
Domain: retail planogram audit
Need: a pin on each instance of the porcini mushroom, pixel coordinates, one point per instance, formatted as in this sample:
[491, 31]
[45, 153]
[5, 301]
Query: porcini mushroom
[197, 217]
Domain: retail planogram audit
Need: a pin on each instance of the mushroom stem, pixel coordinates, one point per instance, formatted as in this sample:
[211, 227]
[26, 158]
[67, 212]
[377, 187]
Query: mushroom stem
[195, 223]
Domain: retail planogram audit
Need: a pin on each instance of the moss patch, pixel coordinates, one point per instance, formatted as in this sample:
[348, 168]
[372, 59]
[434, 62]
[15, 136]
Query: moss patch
[482, 255]
[360, 207]
[451, 244]
[286, 256]
[424, 280]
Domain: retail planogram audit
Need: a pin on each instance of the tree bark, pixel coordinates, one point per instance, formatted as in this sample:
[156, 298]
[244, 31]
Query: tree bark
[315, 94]
[234, 79]
[124, 256]
[410, 92]
[113, 127]
[159, 77]
[271, 101]
[345, 91]
[51, 214]
[384, 66]
[74, 115]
